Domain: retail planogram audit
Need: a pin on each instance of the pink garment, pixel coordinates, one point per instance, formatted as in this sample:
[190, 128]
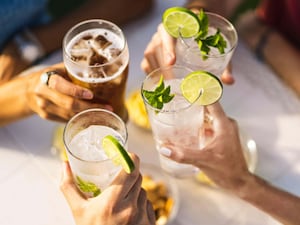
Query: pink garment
[283, 15]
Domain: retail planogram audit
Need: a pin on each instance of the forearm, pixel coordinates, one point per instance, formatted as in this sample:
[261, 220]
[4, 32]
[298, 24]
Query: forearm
[284, 59]
[13, 101]
[277, 52]
[281, 205]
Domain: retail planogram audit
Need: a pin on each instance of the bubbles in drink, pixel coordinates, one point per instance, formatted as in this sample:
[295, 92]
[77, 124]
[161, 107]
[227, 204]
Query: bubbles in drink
[188, 54]
[87, 144]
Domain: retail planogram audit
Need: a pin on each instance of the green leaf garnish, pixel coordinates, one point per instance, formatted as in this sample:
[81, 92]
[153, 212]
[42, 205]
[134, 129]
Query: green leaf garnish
[159, 96]
[87, 187]
[206, 42]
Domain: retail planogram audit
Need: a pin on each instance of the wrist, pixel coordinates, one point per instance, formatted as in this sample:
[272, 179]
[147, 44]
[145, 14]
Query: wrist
[262, 42]
[29, 47]
[246, 188]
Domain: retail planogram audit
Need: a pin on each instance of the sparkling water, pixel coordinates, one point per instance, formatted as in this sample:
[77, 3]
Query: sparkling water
[180, 124]
[188, 54]
[88, 159]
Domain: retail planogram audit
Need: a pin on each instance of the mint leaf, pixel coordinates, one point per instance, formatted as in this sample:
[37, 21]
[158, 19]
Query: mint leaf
[204, 42]
[160, 86]
[203, 22]
[159, 96]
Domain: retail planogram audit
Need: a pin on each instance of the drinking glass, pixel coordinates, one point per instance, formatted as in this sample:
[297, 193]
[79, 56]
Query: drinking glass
[189, 55]
[93, 171]
[96, 56]
[178, 123]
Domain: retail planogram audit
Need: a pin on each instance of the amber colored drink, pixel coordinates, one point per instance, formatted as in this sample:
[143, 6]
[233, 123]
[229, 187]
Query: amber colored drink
[96, 57]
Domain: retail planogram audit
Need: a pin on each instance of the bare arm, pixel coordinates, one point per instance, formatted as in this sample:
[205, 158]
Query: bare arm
[222, 160]
[13, 101]
[280, 204]
[280, 54]
[59, 100]
[50, 36]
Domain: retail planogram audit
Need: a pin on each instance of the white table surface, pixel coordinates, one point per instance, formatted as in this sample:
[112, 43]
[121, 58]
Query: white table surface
[265, 109]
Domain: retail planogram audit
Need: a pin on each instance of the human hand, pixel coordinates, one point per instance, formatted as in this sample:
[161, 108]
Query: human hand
[60, 99]
[222, 159]
[124, 202]
[160, 52]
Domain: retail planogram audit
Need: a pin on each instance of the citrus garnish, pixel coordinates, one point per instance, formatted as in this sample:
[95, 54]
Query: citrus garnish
[201, 177]
[87, 187]
[136, 109]
[115, 151]
[202, 83]
[180, 20]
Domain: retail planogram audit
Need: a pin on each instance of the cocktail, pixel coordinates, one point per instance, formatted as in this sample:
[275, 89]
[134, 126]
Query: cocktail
[215, 60]
[86, 137]
[175, 113]
[96, 56]
[205, 41]
[189, 54]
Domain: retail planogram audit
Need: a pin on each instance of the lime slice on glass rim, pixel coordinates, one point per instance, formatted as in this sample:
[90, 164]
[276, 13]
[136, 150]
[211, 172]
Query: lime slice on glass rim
[180, 20]
[116, 152]
[204, 83]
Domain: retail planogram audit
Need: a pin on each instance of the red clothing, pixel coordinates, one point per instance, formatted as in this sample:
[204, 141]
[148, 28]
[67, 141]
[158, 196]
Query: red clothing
[283, 15]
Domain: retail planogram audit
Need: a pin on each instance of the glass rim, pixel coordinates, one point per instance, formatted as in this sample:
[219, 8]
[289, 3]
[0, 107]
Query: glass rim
[194, 49]
[100, 21]
[162, 69]
[93, 110]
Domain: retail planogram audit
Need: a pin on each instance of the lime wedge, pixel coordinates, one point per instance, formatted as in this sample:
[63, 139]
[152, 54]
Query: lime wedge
[115, 151]
[204, 83]
[179, 19]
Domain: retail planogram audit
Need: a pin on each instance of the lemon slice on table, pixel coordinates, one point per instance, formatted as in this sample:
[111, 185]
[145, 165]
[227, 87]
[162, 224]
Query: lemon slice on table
[204, 83]
[179, 19]
[136, 109]
[115, 151]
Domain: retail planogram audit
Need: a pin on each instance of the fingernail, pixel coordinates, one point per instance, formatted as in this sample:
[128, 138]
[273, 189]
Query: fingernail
[169, 58]
[165, 151]
[87, 94]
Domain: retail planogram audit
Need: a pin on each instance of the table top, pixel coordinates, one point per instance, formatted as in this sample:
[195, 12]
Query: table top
[264, 107]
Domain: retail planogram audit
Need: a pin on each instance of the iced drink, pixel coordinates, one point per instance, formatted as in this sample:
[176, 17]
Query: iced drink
[96, 57]
[189, 55]
[93, 171]
[179, 123]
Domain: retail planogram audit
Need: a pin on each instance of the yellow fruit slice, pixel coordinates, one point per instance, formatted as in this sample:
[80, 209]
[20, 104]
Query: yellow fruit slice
[202, 83]
[115, 151]
[179, 20]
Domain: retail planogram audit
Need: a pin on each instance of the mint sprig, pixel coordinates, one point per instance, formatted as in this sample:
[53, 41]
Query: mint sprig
[159, 96]
[206, 42]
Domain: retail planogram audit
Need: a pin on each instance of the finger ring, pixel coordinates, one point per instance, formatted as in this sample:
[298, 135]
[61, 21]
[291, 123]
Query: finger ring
[46, 76]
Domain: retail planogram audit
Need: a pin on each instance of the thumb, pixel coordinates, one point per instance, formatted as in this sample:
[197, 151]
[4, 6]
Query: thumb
[69, 188]
[168, 46]
[216, 111]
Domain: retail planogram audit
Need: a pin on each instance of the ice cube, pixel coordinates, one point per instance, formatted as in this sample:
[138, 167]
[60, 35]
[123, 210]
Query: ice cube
[96, 58]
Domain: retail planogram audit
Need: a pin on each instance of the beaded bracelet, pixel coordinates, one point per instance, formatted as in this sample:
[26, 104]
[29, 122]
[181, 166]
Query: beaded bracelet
[30, 49]
[262, 43]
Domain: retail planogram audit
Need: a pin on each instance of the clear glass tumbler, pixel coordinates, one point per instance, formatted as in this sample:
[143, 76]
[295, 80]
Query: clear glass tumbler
[178, 123]
[189, 55]
[95, 53]
[83, 135]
